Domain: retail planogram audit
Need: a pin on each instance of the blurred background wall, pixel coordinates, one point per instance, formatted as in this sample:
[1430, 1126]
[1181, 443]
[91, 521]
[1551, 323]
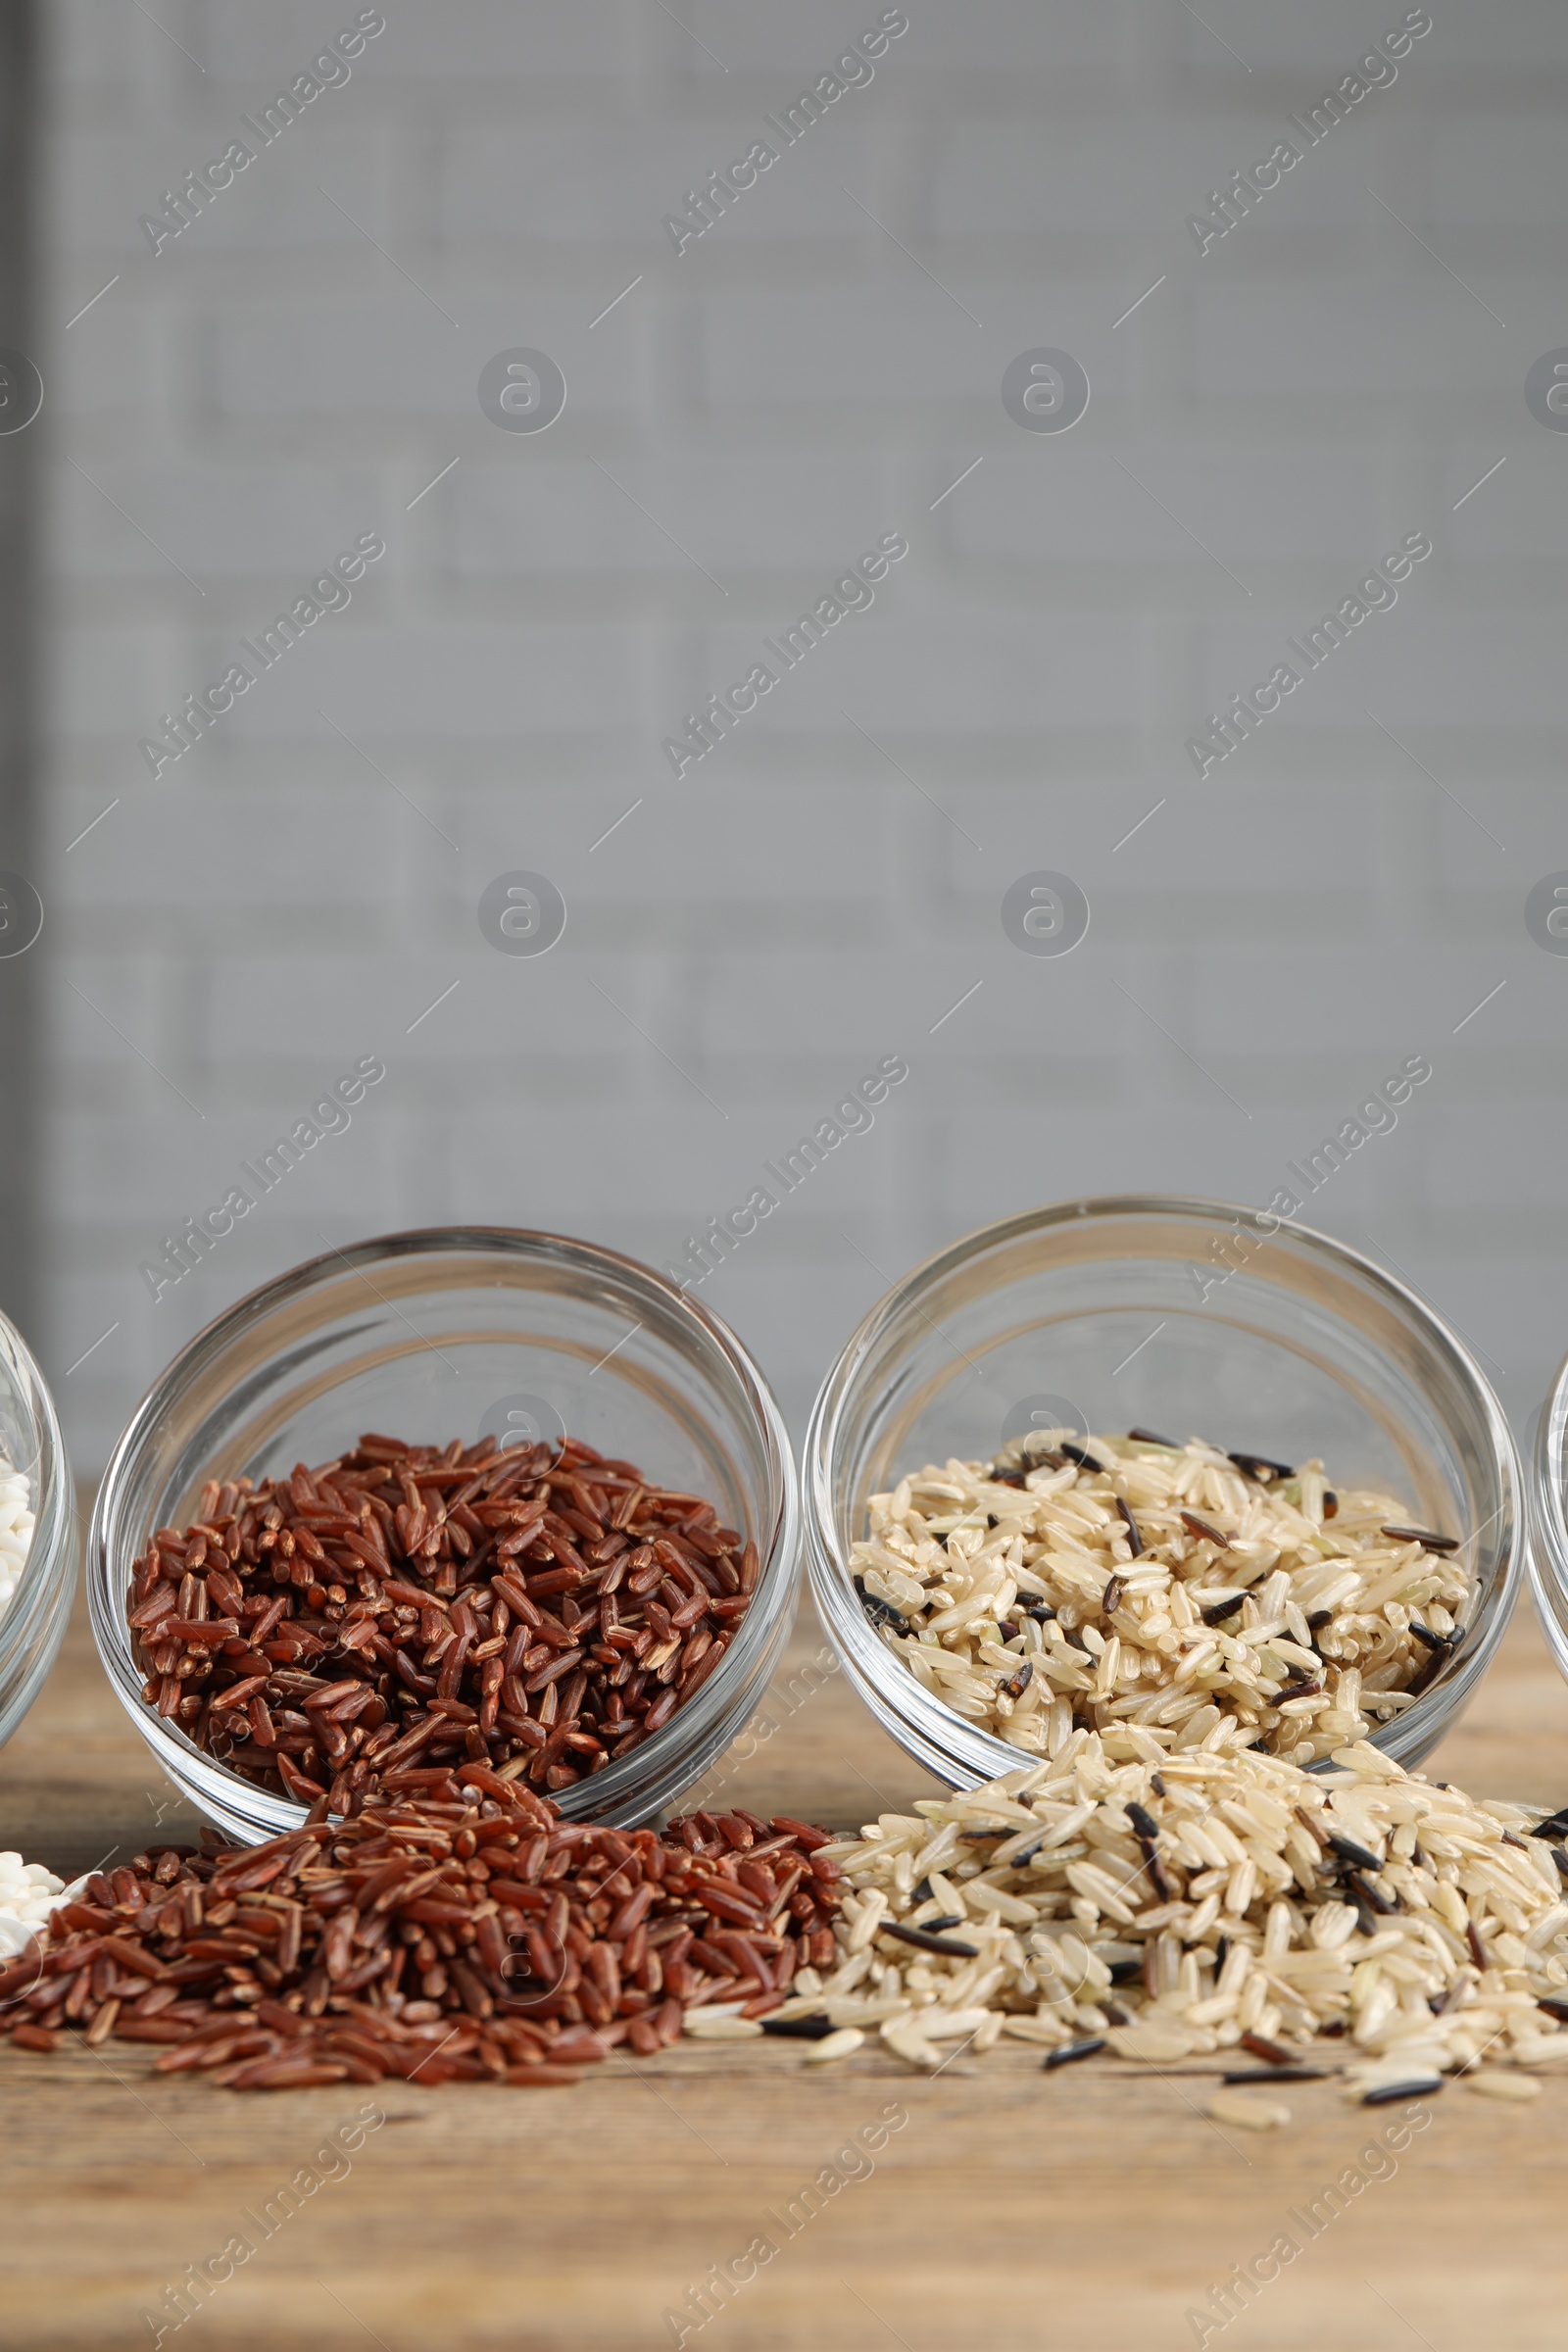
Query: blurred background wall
[20, 490]
[1272, 409]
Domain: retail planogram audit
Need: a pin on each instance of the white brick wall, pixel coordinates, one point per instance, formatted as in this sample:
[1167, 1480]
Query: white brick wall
[794, 384]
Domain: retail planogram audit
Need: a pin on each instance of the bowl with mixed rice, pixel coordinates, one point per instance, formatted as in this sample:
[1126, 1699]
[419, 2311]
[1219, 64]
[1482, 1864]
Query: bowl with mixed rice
[1281, 1513]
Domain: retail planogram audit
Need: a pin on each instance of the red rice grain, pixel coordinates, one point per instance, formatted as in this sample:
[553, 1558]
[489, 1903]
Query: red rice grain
[453, 1929]
[540, 1610]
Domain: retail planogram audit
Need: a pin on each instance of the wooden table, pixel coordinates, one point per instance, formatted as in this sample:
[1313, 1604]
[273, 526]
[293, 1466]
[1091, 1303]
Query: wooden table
[1009, 2210]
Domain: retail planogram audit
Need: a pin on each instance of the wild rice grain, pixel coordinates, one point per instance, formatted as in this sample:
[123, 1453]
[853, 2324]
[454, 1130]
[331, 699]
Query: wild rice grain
[1261, 2077]
[1134, 1538]
[1077, 1453]
[948, 1944]
[1071, 2051]
[1348, 1851]
[1258, 1466]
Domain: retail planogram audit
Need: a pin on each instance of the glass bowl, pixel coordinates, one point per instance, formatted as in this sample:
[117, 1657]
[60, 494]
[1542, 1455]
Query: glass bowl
[459, 1332]
[1184, 1315]
[1548, 1550]
[33, 1624]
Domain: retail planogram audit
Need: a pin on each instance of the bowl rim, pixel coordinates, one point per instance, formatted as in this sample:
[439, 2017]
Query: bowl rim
[937, 1735]
[779, 1543]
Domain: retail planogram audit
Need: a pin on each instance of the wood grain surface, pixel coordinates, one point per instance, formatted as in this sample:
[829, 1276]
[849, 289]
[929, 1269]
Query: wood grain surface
[1003, 2208]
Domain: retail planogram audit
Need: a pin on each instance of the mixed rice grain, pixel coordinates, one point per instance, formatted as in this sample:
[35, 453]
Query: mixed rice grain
[1167, 1907]
[1203, 1599]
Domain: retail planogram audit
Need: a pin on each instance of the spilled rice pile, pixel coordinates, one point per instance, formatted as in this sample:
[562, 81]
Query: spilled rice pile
[1360, 1920]
[454, 1929]
[1203, 1597]
[1164, 1907]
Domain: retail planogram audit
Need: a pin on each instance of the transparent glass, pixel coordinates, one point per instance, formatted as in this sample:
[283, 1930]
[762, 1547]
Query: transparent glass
[456, 1333]
[33, 1626]
[1094, 1314]
[1548, 1550]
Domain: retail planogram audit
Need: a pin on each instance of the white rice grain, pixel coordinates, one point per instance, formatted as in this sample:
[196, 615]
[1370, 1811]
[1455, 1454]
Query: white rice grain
[1505, 2087]
[16, 1530]
[839, 2044]
[1247, 2109]
[703, 2025]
